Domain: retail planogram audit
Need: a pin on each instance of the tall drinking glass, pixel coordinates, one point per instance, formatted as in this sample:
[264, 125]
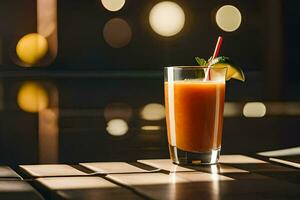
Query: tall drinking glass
[194, 98]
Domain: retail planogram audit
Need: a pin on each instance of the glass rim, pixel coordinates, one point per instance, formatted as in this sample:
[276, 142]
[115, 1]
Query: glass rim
[192, 67]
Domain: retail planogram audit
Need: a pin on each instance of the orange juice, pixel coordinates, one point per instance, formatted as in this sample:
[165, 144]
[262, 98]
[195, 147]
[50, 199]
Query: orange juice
[194, 114]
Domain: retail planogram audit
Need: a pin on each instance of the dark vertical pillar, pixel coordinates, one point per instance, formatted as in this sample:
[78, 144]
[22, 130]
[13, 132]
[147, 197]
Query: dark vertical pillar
[274, 54]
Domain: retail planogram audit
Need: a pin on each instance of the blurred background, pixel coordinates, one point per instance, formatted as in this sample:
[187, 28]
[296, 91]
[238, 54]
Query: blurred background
[83, 80]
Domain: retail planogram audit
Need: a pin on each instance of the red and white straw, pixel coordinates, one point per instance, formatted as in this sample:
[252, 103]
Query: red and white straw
[216, 53]
[218, 47]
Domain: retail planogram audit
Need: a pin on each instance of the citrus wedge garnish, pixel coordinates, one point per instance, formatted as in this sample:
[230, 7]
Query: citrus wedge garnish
[233, 71]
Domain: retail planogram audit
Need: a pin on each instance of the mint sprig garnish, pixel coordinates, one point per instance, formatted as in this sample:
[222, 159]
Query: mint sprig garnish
[201, 61]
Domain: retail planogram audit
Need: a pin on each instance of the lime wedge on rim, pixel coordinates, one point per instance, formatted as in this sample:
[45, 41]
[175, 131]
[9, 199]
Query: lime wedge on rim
[233, 71]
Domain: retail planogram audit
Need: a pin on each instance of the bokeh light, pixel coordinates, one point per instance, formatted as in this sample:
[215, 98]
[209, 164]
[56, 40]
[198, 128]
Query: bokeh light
[117, 33]
[150, 128]
[117, 127]
[48, 137]
[228, 18]
[254, 109]
[232, 109]
[167, 18]
[47, 17]
[32, 48]
[113, 5]
[153, 111]
[283, 108]
[32, 97]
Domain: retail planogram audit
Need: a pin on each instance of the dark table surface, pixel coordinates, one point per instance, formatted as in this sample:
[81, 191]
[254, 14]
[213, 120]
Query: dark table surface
[112, 117]
[235, 177]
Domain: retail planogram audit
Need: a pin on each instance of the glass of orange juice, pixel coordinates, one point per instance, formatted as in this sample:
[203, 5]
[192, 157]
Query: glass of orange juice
[194, 98]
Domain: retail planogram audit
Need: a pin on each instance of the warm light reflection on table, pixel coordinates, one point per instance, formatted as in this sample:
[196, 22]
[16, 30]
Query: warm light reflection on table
[66, 183]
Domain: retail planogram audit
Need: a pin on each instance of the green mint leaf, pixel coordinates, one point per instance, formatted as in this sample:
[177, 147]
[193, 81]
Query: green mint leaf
[201, 61]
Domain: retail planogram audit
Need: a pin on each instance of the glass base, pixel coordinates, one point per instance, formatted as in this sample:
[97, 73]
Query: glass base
[181, 157]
